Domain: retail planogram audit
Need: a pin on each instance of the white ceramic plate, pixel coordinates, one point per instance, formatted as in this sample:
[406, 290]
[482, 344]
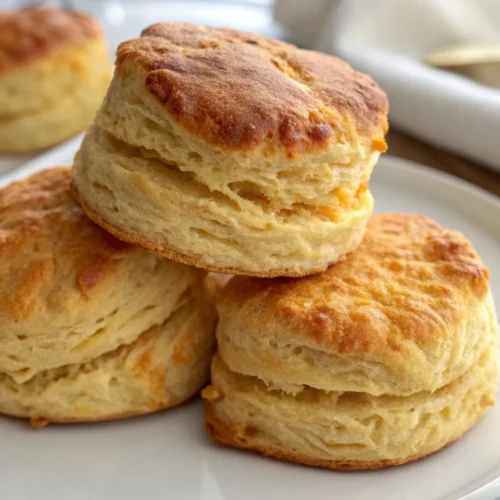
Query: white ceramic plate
[168, 456]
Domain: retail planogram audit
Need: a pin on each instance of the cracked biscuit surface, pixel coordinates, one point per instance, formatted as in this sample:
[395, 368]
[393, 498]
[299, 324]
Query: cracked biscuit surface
[231, 143]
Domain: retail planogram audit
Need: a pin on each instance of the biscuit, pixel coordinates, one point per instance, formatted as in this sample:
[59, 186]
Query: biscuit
[162, 368]
[409, 311]
[213, 146]
[384, 358]
[54, 72]
[70, 292]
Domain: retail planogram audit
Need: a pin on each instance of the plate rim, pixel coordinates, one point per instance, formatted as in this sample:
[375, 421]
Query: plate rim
[456, 182]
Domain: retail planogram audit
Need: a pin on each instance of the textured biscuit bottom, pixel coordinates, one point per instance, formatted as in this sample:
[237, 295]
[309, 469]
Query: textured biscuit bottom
[145, 201]
[164, 367]
[346, 431]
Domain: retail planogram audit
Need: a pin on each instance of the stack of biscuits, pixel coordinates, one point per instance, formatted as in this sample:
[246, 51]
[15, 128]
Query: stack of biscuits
[384, 358]
[91, 328]
[346, 340]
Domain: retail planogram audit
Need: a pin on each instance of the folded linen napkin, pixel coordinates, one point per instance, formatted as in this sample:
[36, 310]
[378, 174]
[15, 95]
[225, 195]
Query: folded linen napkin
[388, 39]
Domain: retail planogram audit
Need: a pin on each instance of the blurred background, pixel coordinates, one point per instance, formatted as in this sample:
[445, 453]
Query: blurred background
[439, 61]
[124, 19]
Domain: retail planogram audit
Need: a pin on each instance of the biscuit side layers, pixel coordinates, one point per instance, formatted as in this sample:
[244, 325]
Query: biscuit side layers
[346, 431]
[163, 367]
[117, 185]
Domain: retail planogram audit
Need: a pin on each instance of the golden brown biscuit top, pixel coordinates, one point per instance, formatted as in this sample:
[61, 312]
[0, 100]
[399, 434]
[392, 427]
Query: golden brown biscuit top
[409, 282]
[238, 90]
[35, 32]
[48, 246]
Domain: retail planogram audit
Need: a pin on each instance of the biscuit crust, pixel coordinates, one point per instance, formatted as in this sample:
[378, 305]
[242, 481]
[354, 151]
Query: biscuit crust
[36, 215]
[410, 310]
[37, 32]
[237, 90]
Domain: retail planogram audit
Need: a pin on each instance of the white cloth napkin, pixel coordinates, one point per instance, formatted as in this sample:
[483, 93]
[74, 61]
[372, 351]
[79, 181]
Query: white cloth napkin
[388, 38]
